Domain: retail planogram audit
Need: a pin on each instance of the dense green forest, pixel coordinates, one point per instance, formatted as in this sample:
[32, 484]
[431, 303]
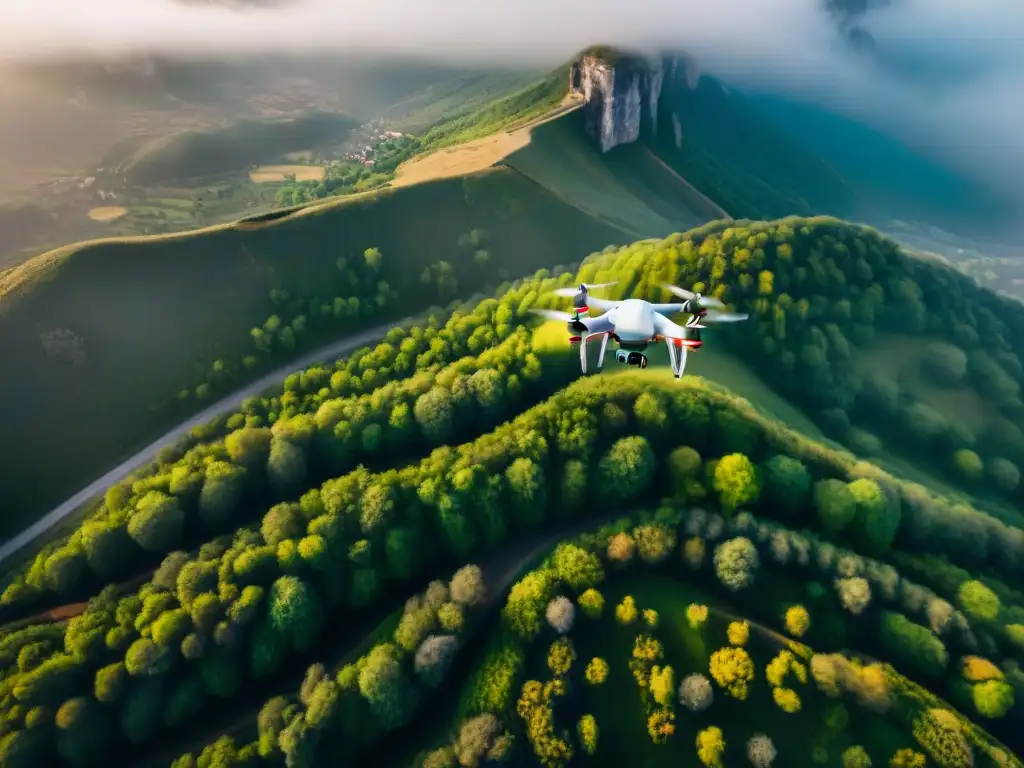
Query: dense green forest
[864, 587]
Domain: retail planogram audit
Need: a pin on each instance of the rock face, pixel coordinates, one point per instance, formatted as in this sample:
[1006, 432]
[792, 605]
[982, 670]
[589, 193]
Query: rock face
[625, 94]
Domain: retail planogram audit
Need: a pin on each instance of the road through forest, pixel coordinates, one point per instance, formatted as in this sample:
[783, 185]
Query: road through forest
[147, 454]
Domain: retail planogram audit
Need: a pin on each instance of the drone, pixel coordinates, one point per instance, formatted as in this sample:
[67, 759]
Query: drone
[634, 324]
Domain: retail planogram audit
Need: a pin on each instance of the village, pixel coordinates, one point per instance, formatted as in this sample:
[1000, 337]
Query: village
[362, 148]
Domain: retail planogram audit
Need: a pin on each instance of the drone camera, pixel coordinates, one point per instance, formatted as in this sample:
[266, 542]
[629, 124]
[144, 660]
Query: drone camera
[631, 358]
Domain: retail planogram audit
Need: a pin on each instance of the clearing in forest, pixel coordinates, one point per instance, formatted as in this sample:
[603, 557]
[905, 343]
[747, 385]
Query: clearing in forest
[107, 212]
[276, 173]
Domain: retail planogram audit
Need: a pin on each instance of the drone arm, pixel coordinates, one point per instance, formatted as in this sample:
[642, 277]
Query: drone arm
[602, 304]
[668, 309]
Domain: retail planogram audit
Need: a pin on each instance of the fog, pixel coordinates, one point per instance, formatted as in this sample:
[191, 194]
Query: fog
[947, 76]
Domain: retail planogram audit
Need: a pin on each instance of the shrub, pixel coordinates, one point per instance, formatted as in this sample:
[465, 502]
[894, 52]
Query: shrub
[835, 504]
[786, 483]
[992, 698]
[561, 655]
[651, 618]
[976, 669]
[907, 758]
[968, 464]
[693, 552]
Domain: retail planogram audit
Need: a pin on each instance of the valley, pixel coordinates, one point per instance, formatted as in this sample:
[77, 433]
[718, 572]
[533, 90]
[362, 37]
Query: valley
[392, 524]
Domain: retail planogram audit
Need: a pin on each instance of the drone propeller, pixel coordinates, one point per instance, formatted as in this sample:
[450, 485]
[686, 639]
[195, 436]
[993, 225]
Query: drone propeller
[570, 293]
[707, 301]
[554, 314]
[724, 317]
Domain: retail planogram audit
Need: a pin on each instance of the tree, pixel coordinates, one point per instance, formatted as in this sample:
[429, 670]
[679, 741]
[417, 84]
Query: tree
[711, 747]
[654, 542]
[527, 601]
[467, 586]
[286, 465]
[695, 693]
[992, 698]
[476, 739]
[626, 470]
[109, 682]
[696, 615]
[435, 414]
[527, 493]
[576, 567]
[854, 594]
[856, 757]
[597, 671]
[945, 362]
[787, 700]
[939, 732]
[592, 603]
[786, 483]
[621, 548]
[738, 632]
[733, 670]
[157, 522]
[434, 657]
[797, 620]
[968, 464]
[914, 645]
[978, 601]
[561, 656]
[451, 617]
[147, 659]
[683, 465]
[662, 684]
[761, 751]
[1003, 474]
[588, 733]
[736, 562]
[626, 611]
[836, 505]
[384, 686]
[736, 481]
[878, 519]
[295, 612]
[560, 614]
[907, 758]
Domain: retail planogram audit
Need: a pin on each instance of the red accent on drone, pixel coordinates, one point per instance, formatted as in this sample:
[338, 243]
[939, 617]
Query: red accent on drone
[582, 310]
[575, 339]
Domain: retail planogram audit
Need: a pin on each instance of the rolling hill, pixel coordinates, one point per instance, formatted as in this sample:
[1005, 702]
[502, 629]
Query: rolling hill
[201, 154]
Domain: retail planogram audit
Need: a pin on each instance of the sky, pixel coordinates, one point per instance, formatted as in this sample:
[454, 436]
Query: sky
[974, 120]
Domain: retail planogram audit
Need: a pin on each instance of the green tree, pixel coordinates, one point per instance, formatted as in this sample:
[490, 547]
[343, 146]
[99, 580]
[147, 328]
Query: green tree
[383, 684]
[576, 567]
[786, 483]
[736, 481]
[626, 470]
[157, 522]
[295, 612]
[978, 601]
[836, 505]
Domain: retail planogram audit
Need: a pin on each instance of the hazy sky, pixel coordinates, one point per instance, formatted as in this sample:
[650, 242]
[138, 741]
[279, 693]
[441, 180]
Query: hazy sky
[789, 46]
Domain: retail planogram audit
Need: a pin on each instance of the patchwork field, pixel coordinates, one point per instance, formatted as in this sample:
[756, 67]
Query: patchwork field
[278, 173]
[107, 213]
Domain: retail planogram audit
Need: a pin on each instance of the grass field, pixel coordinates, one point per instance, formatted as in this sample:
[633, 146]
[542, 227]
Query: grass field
[107, 213]
[278, 173]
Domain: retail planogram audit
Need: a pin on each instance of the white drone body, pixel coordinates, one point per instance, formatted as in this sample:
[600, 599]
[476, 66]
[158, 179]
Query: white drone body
[634, 324]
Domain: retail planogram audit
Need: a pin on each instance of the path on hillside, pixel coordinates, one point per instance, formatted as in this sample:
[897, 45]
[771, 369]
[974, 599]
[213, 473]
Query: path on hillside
[147, 454]
[478, 154]
[501, 569]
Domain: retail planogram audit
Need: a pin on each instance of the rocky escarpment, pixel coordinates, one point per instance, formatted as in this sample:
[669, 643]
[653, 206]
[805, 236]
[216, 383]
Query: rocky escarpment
[625, 94]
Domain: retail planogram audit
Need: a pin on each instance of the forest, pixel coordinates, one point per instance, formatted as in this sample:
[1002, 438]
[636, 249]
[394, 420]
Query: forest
[409, 540]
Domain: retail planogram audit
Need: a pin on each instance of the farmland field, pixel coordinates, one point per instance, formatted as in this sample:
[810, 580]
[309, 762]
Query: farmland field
[107, 212]
[278, 173]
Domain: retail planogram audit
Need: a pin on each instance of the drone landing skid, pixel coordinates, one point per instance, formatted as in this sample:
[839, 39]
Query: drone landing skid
[677, 354]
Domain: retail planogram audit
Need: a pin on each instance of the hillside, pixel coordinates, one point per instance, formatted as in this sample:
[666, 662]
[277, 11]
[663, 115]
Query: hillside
[309, 592]
[199, 154]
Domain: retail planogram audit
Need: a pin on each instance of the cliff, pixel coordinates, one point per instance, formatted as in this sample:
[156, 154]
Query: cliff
[625, 94]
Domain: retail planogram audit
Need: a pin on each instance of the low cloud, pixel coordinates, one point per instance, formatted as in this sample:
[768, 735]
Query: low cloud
[947, 76]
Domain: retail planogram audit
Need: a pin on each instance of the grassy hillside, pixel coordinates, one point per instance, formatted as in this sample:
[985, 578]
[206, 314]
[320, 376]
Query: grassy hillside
[197, 154]
[628, 187]
[738, 158]
[173, 306]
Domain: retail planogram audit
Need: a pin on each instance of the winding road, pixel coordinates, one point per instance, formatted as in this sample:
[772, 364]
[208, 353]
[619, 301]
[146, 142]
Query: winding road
[226, 405]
